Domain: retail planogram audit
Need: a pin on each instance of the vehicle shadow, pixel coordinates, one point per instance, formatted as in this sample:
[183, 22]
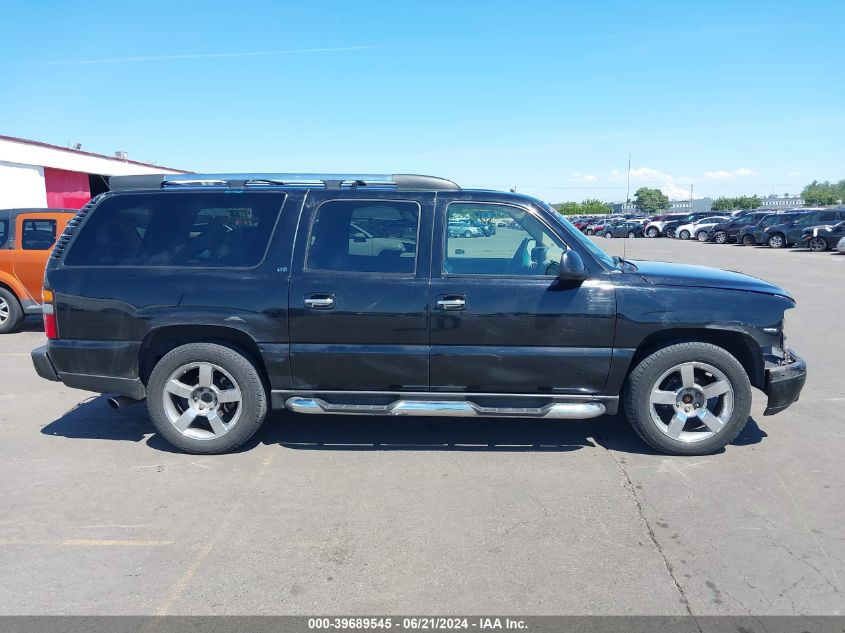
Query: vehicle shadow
[93, 419]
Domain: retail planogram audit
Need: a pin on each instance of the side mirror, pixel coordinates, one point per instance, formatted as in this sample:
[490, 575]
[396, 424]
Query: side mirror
[359, 237]
[572, 267]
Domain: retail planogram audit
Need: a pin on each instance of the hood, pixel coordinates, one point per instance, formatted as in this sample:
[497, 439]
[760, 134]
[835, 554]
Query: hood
[666, 274]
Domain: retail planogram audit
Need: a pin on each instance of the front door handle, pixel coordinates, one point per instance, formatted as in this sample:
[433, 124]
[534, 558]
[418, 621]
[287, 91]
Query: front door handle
[319, 302]
[451, 303]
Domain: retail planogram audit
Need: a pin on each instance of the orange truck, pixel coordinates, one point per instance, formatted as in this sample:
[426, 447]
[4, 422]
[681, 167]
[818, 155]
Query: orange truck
[26, 239]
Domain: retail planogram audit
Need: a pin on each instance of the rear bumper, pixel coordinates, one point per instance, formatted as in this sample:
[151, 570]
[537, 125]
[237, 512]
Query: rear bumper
[785, 377]
[44, 367]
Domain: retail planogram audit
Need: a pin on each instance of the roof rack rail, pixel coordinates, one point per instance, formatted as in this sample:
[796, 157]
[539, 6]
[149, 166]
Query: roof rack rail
[240, 181]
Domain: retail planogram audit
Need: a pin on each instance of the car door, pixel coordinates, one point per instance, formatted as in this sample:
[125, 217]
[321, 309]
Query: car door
[501, 320]
[358, 295]
[35, 234]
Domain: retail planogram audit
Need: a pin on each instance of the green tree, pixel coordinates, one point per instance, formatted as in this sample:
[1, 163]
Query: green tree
[651, 200]
[822, 193]
[591, 206]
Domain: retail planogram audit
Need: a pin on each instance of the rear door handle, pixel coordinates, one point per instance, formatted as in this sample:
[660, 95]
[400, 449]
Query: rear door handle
[319, 302]
[452, 302]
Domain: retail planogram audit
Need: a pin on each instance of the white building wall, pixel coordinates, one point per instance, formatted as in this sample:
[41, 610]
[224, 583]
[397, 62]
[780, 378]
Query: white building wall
[21, 186]
[71, 160]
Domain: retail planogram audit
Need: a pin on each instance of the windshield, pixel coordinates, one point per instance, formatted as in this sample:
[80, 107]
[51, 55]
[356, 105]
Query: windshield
[575, 234]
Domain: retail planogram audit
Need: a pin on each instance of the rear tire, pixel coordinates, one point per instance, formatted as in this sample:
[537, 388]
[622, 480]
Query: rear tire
[631, 234]
[818, 244]
[684, 235]
[652, 232]
[748, 240]
[716, 385]
[608, 235]
[701, 236]
[11, 312]
[184, 405]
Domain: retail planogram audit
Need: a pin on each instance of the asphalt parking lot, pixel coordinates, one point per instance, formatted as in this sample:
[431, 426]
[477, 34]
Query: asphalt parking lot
[369, 516]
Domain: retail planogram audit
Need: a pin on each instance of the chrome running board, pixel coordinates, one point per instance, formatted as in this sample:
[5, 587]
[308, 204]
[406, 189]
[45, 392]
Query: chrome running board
[449, 408]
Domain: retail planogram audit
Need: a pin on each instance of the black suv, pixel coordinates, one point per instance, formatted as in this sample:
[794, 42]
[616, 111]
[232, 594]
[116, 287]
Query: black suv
[787, 234]
[217, 297]
[729, 230]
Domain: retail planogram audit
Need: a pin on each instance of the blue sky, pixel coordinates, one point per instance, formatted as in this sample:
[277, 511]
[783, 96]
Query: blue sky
[550, 97]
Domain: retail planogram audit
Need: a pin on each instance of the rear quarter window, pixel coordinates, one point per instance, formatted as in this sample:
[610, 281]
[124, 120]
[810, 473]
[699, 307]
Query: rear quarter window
[184, 229]
[38, 235]
[4, 232]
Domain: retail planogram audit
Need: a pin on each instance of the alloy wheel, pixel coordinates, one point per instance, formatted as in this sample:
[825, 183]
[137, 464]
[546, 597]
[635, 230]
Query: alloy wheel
[684, 235]
[749, 240]
[817, 244]
[701, 236]
[202, 401]
[776, 241]
[720, 238]
[631, 234]
[691, 402]
[4, 311]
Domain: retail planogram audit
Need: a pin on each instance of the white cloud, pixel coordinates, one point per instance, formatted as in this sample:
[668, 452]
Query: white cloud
[647, 174]
[579, 177]
[723, 174]
[674, 191]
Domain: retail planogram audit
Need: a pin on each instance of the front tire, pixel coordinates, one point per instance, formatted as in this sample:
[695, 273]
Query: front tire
[720, 237]
[608, 235]
[206, 398]
[631, 234]
[684, 235]
[652, 232]
[11, 312]
[777, 241]
[748, 240]
[688, 399]
[701, 236]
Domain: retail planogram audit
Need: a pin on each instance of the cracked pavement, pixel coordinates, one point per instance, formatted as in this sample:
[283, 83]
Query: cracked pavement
[370, 516]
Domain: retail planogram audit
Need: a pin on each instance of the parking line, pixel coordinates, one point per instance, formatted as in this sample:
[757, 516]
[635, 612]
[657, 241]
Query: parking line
[88, 542]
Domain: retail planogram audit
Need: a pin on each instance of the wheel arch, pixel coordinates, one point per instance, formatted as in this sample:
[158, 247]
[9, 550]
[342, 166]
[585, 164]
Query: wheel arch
[740, 345]
[162, 340]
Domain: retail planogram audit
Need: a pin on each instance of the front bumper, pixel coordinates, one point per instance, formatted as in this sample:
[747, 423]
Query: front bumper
[785, 377]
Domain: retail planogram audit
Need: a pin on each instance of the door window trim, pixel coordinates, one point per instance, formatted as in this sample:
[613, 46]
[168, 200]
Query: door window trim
[445, 231]
[330, 271]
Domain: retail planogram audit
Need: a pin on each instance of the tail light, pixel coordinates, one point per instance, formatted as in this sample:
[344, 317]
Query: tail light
[49, 312]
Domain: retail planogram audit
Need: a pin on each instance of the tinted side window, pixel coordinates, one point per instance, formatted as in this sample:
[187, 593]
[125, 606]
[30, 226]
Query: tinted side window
[38, 235]
[827, 216]
[364, 236]
[4, 231]
[522, 246]
[186, 229]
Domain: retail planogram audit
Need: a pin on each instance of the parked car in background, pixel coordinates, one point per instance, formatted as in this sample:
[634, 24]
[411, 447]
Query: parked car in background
[784, 235]
[216, 308]
[670, 229]
[26, 238]
[488, 228]
[699, 228]
[655, 228]
[821, 238]
[728, 231]
[624, 229]
[756, 235]
[464, 229]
